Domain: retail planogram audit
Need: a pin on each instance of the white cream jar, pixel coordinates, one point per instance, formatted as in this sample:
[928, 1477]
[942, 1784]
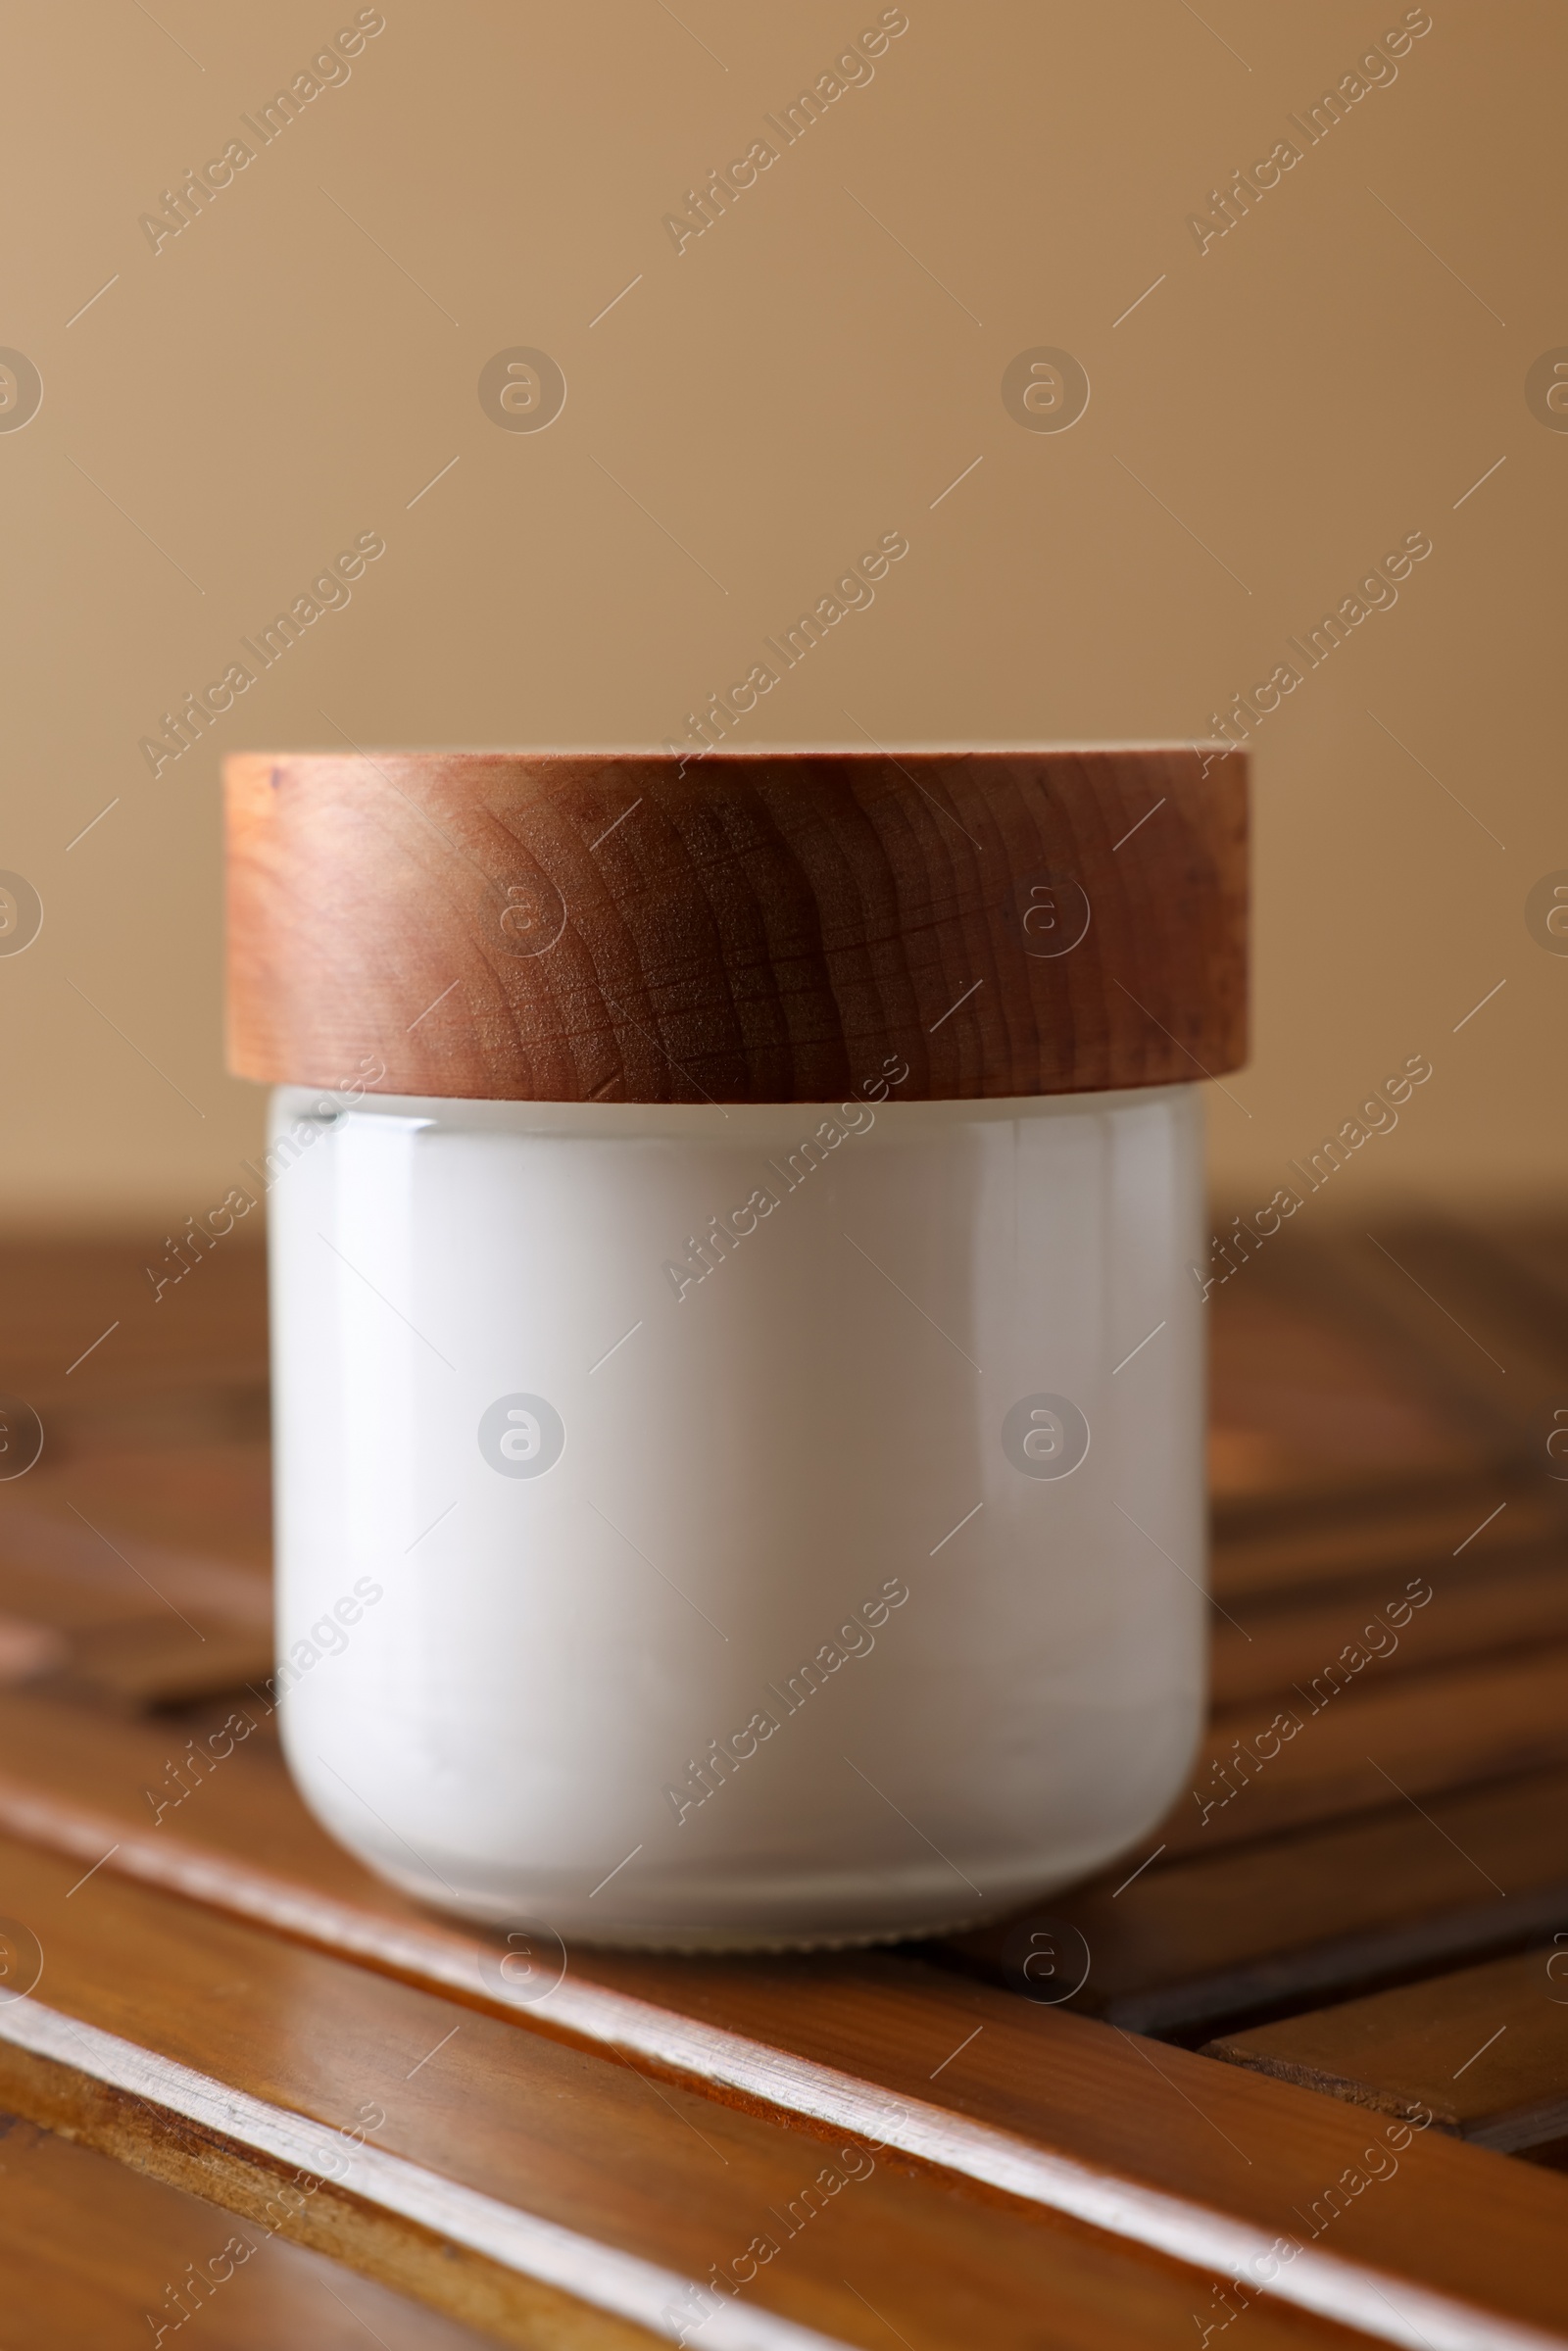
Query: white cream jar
[736, 1523]
[849, 1586]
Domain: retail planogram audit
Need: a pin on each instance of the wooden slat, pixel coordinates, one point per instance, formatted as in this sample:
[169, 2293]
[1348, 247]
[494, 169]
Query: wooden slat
[53, 1274]
[572, 2143]
[1393, 1432]
[1049, 2110]
[1368, 1742]
[196, 1492]
[1177, 1948]
[1308, 1411]
[1117, 2100]
[142, 1624]
[1427, 1300]
[1484, 2050]
[1472, 1613]
[1537, 1254]
[1392, 1536]
[149, 1666]
[522, 2278]
[1494, 1311]
[76, 1553]
[94, 2255]
[1335, 1501]
[1430, 1735]
[1356, 1461]
[204, 1334]
[1209, 1937]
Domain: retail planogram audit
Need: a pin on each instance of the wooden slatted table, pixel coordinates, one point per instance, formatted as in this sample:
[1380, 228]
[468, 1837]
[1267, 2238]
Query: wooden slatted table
[1299, 2065]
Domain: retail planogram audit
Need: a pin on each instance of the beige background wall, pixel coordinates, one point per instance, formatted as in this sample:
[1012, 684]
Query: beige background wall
[294, 367]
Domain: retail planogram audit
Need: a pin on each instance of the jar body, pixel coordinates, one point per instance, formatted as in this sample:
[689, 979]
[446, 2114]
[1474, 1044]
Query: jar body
[739, 1527]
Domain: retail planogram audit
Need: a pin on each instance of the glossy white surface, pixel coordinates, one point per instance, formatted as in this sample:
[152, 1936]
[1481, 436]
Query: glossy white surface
[611, 1512]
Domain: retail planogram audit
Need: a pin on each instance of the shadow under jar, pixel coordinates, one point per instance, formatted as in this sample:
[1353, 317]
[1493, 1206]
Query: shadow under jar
[739, 1369]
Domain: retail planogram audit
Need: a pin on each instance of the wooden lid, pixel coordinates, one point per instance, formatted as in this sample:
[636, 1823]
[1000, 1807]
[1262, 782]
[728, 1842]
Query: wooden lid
[762, 928]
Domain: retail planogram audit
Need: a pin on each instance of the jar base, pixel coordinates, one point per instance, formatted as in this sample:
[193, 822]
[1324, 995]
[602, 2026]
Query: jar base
[910, 1914]
[713, 1942]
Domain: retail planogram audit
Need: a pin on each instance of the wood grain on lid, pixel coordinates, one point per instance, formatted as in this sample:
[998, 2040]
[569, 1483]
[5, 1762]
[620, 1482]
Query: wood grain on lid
[773, 927]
